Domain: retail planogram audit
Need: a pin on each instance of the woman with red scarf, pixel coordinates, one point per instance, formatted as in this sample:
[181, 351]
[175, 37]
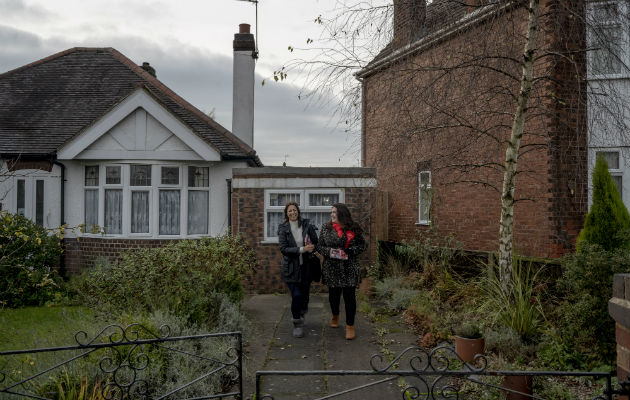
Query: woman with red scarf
[340, 242]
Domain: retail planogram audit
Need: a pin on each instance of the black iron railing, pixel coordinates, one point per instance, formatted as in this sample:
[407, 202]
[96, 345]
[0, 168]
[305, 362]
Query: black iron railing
[436, 374]
[126, 363]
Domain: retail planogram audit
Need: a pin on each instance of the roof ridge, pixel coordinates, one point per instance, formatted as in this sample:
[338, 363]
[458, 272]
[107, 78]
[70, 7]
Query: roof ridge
[52, 57]
[181, 101]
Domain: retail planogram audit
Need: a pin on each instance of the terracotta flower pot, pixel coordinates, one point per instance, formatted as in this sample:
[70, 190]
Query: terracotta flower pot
[467, 348]
[519, 383]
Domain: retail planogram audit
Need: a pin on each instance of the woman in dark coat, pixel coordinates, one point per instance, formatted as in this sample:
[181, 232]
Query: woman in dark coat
[297, 238]
[340, 242]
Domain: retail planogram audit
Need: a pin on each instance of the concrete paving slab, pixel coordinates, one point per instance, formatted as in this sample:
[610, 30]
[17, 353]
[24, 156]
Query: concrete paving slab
[270, 346]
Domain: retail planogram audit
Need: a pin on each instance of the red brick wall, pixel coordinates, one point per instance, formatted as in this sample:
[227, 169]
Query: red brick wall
[248, 214]
[619, 308]
[83, 252]
[418, 117]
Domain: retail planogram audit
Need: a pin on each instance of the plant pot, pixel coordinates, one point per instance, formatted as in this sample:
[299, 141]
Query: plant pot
[467, 349]
[519, 383]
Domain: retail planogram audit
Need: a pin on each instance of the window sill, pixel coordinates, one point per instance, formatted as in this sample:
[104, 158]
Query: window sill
[269, 241]
[423, 223]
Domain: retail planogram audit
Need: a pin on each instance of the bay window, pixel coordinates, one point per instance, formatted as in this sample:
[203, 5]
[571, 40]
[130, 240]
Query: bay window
[130, 201]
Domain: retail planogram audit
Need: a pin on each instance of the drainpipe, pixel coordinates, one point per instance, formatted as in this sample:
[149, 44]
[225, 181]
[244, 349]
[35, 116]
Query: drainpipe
[62, 259]
[229, 193]
[63, 191]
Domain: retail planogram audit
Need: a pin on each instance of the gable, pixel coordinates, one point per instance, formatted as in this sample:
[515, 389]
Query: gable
[138, 128]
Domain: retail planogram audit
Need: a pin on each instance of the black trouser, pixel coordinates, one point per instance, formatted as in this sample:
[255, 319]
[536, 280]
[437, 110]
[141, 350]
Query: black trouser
[300, 293]
[334, 298]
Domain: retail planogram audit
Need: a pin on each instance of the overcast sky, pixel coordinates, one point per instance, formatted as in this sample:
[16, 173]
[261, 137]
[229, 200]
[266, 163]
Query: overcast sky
[189, 43]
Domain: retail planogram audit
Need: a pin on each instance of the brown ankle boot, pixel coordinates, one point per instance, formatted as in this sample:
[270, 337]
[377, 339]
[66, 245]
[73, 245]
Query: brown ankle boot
[334, 321]
[350, 333]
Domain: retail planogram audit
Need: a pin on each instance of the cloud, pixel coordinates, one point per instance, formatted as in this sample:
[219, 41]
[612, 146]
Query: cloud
[283, 124]
[18, 9]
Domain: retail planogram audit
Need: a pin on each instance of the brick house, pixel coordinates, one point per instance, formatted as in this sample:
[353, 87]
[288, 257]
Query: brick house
[87, 137]
[438, 104]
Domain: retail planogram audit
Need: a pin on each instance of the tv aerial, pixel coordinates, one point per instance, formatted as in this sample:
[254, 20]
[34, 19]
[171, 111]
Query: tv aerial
[255, 2]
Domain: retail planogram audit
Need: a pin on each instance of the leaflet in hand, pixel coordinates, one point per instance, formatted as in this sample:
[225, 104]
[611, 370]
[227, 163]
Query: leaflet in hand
[338, 254]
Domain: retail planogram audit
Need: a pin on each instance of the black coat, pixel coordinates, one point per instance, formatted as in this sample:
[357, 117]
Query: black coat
[291, 270]
[341, 273]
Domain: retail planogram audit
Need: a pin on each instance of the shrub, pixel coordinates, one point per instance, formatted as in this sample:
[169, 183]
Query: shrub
[607, 223]
[519, 310]
[28, 256]
[182, 278]
[586, 288]
[469, 330]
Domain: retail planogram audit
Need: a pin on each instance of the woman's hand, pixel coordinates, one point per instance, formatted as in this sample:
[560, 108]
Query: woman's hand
[309, 248]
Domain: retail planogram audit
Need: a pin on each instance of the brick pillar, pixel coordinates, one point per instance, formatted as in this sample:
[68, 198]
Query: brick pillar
[619, 309]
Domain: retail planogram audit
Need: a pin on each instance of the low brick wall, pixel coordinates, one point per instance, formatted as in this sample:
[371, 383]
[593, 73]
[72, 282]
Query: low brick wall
[619, 309]
[83, 252]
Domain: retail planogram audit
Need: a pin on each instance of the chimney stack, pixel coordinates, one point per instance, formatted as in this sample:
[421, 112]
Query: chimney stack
[409, 17]
[243, 88]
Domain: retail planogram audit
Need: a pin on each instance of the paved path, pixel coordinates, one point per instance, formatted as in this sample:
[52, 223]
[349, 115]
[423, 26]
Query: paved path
[269, 345]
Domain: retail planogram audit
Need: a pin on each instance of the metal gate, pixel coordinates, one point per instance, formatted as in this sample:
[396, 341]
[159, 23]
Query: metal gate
[422, 374]
[124, 359]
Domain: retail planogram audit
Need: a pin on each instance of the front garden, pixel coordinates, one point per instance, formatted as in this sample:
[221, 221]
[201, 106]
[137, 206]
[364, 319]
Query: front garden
[192, 287]
[552, 316]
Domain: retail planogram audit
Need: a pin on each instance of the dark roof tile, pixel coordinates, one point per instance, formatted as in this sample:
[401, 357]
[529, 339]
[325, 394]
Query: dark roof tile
[47, 102]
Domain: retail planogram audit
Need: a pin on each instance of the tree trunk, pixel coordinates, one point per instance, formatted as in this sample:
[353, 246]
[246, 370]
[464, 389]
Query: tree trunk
[506, 230]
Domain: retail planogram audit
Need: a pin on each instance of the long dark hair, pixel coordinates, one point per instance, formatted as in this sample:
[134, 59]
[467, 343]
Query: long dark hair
[345, 218]
[286, 207]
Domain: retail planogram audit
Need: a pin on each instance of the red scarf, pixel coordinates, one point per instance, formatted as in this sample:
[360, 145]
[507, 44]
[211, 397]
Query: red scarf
[349, 234]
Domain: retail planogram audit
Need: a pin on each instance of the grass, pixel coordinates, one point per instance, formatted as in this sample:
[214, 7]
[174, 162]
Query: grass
[34, 327]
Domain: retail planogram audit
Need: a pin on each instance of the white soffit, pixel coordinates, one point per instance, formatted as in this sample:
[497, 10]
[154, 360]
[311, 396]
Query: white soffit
[138, 128]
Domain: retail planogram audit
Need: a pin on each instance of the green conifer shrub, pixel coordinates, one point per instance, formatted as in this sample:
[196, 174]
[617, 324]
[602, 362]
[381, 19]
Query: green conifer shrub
[608, 223]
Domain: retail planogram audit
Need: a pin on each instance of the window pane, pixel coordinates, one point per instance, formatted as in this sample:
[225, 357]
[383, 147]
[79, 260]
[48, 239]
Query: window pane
[317, 218]
[112, 175]
[611, 157]
[281, 199]
[91, 209]
[606, 44]
[170, 175]
[140, 175]
[91, 175]
[113, 211]
[198, 177]
[197, 212]
[139, 212]
[617, 179]
[273, 220]
[39, 202]
[425, 178]
[21, 197]
[323, 199]
[605, 12]
[169, 212]
[425, 205]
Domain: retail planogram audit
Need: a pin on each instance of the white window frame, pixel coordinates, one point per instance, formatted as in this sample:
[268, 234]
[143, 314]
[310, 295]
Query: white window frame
[625, 38]
[154, 190]
[304, 206]
[428, 188]
[103, 186]
[187, 189]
